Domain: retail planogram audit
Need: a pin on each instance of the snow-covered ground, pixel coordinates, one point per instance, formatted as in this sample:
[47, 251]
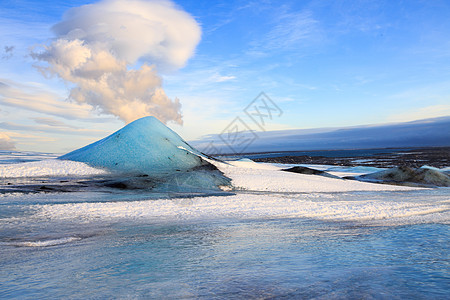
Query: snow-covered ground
[245, 175]
[260, 190]
[252, 176]
[48, 167]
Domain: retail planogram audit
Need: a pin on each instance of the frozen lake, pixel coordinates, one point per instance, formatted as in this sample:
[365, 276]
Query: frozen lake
[316, 239]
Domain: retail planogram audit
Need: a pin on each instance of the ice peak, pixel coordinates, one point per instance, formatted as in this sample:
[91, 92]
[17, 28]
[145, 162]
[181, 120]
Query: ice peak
[144, 146]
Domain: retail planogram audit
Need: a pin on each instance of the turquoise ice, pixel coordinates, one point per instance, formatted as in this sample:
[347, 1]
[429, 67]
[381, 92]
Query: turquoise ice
[145, 146]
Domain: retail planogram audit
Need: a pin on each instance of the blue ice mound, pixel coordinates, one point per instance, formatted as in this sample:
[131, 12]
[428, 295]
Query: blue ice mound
[145, 146]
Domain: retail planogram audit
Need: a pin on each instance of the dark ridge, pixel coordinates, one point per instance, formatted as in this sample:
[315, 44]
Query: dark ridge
[309, 171]
[304, 170]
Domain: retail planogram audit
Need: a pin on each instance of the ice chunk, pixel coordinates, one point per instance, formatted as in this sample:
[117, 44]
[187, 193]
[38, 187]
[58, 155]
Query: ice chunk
[145, 146]
[404, 175]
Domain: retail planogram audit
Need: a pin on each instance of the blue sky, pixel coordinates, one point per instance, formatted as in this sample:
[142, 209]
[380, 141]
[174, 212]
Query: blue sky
[324, 64]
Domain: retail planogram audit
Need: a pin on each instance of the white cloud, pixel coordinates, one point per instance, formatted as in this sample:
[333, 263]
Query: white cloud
[6, 143]
[158, 30]
[97, 46]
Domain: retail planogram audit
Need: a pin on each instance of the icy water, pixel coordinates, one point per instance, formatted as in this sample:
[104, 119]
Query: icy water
[124, 244]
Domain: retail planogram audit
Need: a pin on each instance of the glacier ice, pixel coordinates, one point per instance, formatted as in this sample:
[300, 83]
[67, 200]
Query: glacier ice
[145, 146]
[144, 155]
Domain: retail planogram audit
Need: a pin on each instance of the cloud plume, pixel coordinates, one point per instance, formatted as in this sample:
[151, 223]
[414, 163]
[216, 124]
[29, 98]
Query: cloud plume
[111, 51]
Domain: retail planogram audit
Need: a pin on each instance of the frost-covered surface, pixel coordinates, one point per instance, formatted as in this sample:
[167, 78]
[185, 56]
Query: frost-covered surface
[390, 208]
[143, 146]
[269, 178]
[260, 190]
[49, 167]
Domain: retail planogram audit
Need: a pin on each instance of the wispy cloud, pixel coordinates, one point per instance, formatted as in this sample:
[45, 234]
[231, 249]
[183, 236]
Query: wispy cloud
[226, 13]
[290, 30]
[204, 79]
[293, 29]
[222, 78]
[53, 122]
[363, 16]
[32, 98]
[27, 138]
[50, 129]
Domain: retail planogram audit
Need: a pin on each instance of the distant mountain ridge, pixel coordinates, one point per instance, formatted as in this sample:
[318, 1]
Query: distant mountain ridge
[421, 133]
